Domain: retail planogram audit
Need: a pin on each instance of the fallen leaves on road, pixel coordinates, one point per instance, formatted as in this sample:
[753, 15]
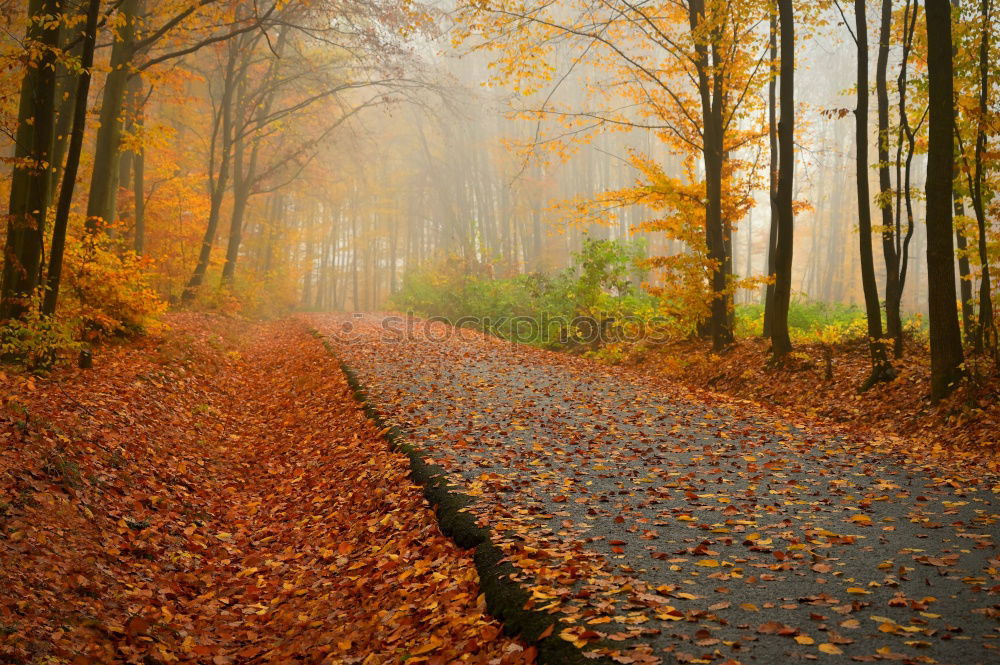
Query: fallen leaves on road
[663, 524]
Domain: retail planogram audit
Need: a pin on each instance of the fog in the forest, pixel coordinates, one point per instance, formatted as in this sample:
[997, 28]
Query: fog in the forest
[430, 179]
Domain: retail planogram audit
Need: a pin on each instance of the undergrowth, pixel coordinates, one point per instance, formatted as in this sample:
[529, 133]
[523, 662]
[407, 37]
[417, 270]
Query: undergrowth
[598, 306]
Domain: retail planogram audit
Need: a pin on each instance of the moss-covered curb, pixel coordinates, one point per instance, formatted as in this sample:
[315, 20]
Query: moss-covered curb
[505, 598]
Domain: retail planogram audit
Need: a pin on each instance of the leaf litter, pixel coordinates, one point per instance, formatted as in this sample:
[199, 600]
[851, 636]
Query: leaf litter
[215, 495]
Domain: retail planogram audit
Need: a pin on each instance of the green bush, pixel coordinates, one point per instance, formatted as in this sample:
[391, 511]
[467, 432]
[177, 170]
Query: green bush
[601, 288]
[36, 341]
[829, 323]
[599, 291]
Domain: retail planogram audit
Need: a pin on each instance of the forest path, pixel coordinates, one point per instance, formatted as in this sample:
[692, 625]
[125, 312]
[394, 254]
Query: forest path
[686, 527]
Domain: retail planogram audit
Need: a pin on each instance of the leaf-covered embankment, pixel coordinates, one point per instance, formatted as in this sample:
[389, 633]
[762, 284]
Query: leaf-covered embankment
[217, 496]
[823, 380]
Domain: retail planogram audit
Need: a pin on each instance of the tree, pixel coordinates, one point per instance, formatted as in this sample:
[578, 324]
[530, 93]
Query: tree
[131, 42]
[896, 241]
[945, 336]
[30, 192]
[984, 333]
[710, 65]
[61, 223]
[103, 196]
[881, 368]
[686, 69]
[274, 109]
[219, 153]
[772, 180]
[893, 287]
[780, 340]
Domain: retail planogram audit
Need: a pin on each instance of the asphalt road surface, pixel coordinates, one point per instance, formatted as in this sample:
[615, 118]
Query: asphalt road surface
[685, 527]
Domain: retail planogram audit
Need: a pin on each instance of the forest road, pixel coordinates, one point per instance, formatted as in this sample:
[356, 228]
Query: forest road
[684, 526]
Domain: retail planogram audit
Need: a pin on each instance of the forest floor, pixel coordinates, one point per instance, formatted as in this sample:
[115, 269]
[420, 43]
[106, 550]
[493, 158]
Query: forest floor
[823, 381]
[665, 524]
[214, 494]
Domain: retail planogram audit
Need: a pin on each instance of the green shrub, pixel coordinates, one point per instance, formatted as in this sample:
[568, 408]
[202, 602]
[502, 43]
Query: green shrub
[829, 323]
[599, 291]
[36, 341]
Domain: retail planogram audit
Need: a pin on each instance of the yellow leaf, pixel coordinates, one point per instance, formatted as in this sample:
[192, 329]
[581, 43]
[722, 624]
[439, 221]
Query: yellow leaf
[433, 644]
[832, 649]
[804, 639]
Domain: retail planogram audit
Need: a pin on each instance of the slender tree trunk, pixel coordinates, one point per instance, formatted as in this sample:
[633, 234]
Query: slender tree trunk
[139, 192]
[900, 241]
[61, 223]
[241, 199]
[393, 244]
[721, 332]
[772, 135]
[536, 235]
[945, 337]
[31, 178]
[307, 277]
[222, 134]
[748, 256]
[881, 368]
[986, 331]
[780, 341]
[893, 293]
[964, 276]
[102, 200]
[66, 86]
[245, 167]
[710, 88]
[355, 248]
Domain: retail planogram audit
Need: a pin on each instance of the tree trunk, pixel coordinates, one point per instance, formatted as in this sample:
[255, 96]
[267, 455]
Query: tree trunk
[139, 192]
[893, 293]
[772, 135]
[945, 336]
[356, 299]
[710, 86]
[986, 332]
[61, 223]
[66, 86]
[221, 136]
[245, 174]
[881, 369]
[31, 178]
[241, 198]
[102, 200]
[964, 277]
[900, 241]
[781, 343]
